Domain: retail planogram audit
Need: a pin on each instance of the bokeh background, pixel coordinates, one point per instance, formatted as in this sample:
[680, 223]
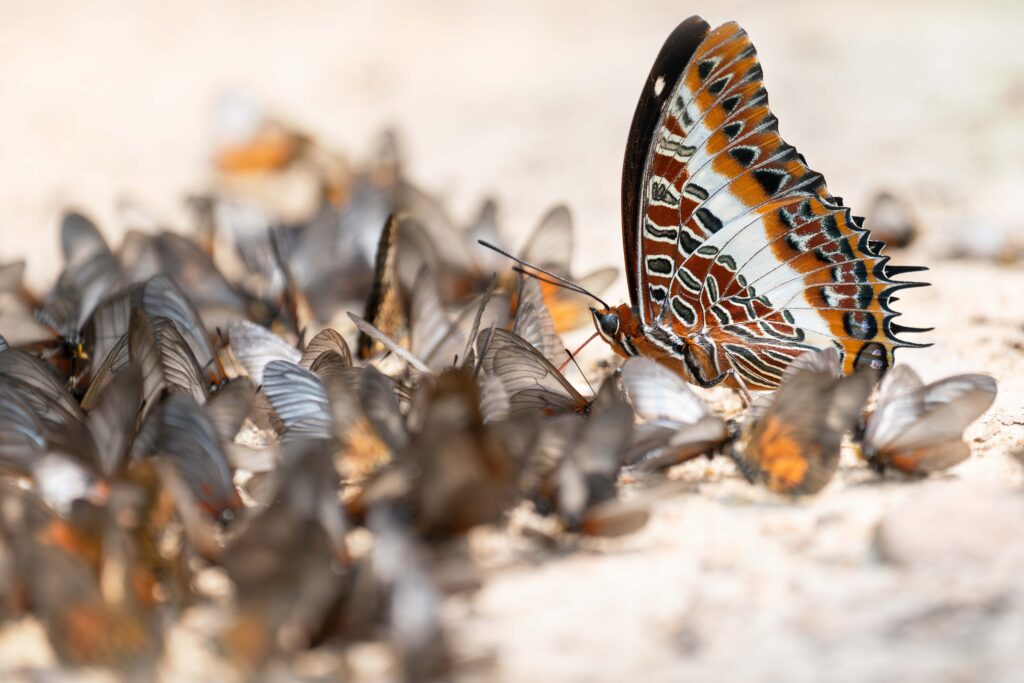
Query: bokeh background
[529, 102]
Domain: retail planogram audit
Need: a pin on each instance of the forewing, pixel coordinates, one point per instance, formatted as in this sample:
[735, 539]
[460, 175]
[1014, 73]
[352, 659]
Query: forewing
[898, 404]
[533, 322]
[188, 438]
[327, 339]
[550, 245]
[32, 372]
[298, 398]
[229, 406]
[380, 405]
[255, 346]
[163, 299]
[433, 336]
[949, 406]
[164, 358]
[385, 309]
[89, 263]
[196, 274]
[531, 381]
[112, 422]
[22, 434]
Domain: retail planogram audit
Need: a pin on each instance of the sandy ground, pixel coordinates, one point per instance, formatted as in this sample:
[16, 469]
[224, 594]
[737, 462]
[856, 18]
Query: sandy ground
[530, 102]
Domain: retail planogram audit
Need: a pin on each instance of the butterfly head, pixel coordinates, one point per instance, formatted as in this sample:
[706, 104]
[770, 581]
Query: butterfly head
[617, 326]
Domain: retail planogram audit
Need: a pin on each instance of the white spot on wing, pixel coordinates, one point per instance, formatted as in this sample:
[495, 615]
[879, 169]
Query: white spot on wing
[659, 85]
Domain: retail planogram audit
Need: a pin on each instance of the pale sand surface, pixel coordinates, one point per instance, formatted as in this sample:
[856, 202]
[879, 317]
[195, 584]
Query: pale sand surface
[530, 102]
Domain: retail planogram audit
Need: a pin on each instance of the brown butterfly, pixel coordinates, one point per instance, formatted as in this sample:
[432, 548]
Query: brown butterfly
[918, 428]
[791, 440]
[676, 424]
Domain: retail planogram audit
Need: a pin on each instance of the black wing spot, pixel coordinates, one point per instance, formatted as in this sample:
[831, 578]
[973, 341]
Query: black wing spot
[687, 241]
[744, 155]
[695, 191]
[659, 265]
[860, 325]
[769, 180]
[709, 220]
[729, 103]
[731, 130]
[683, 311]
[704, 68]
[719, 85]
[872, 355]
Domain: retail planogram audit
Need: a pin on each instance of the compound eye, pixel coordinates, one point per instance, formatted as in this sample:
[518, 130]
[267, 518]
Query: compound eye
[609, 323]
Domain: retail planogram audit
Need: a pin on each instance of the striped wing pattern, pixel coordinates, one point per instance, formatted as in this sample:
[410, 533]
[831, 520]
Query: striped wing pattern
[737, 238]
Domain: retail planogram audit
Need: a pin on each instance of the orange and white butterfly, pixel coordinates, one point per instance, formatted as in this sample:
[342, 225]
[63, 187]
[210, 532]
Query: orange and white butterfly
[738, 257]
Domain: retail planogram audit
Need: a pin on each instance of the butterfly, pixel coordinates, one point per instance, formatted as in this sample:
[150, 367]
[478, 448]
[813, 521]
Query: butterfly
[738, 258]
[530, 381]
[453, 471]
[676, 424]
[282, 564]
[917, 427]
[90, 272]
[791, 439]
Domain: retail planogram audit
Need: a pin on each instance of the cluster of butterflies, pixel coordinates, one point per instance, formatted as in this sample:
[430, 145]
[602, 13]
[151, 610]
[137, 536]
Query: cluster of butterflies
[321, 410]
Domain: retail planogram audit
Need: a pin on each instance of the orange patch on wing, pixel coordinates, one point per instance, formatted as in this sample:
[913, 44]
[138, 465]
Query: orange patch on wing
[568, 313]
[95, 634]
[61, 535]
[364, 453]
[780, 456]
[272, 149]
[907, 462]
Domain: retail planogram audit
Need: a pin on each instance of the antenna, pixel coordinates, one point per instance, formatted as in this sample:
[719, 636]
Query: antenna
[556, 280]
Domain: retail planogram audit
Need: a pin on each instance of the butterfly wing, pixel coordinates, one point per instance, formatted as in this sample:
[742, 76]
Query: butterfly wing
[384, 308]
[668, 67]
[657, 393]
[550, 245]
[531, 381]
[255, 346]
[112, 422]
[533, 322]
[228, 408]
[794, 447]
[190, 440]
[299, 399]
[91, 266]
[327, 339]
[731, 231]
[921, 430]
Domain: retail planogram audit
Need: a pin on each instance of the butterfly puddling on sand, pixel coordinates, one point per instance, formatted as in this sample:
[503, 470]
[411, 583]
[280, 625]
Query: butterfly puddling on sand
[738, 257]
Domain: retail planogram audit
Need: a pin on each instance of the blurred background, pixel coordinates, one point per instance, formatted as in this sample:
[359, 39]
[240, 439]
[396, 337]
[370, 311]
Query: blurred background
[530, 102]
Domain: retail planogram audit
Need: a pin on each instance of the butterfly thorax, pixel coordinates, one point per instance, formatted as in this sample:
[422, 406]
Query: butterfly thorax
[694, 354]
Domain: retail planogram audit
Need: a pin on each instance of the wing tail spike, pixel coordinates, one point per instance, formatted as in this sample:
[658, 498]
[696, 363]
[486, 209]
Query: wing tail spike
[913, 345]
[898, 285]
[900, 329]
[892, 271]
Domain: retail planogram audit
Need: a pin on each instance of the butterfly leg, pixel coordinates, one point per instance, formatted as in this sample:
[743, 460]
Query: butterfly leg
[741, 385]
